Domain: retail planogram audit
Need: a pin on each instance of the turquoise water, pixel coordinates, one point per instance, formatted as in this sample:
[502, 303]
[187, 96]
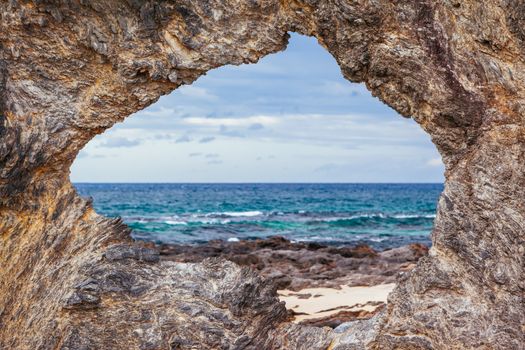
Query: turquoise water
[382, 215]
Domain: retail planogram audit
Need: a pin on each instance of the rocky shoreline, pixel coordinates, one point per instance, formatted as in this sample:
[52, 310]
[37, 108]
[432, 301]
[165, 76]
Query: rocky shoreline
[294, 267]
[71, 69]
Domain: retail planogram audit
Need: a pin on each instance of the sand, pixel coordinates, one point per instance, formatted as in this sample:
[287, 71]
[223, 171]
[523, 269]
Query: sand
[312, 303]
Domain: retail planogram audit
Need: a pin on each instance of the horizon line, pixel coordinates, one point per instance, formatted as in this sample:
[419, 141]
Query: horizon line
[258, 183]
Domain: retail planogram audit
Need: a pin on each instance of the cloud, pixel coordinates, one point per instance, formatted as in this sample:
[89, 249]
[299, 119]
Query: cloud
[206, 139]
[256, 126]
[162, 137]
[336, 88]
[84, 154]
[230, 122]
[193, 91]
[223, 130]
[182, 139]
[280, 111]
[116, 142]
[212, 155]
[435, 162]
[215, 162]
[161, 111]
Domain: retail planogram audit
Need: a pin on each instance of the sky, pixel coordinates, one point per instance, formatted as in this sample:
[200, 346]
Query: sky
[291, 117]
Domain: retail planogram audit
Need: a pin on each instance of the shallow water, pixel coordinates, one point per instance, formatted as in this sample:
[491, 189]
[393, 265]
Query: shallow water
[382, 215]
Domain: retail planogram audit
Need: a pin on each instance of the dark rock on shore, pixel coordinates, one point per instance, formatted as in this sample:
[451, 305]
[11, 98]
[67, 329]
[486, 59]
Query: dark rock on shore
[296, 266]
[343, 316]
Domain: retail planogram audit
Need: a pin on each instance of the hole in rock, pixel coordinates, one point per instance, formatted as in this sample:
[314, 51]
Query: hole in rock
[286, 147]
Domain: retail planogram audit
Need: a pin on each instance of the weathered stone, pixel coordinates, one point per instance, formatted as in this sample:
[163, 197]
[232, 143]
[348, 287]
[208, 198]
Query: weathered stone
[71, 69]
[295, 266]
[122, 252]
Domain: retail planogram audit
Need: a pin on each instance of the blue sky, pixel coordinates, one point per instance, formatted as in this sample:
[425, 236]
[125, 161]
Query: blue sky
[291, 117]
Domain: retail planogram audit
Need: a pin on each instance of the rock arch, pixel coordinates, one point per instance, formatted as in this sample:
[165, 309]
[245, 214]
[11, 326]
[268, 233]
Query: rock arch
[70, 69]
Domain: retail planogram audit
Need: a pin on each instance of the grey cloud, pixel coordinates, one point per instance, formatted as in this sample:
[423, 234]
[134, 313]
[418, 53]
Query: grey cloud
[162, 137]
[338, 88]
[184, 138]
[222, 114]
[309, 112]
[116, 142]
[232, 133]
[215, 162]
[206, 139]
[256, 126]
[84, 154]
[195, 154]
[212, 155]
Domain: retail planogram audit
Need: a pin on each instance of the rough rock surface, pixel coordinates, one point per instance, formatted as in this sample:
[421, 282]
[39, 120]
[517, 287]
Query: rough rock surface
[69, 69]
[295, 266]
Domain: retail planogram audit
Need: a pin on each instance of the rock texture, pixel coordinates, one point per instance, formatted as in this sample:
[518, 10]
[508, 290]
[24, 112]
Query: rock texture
[295, 266]
[69, 69]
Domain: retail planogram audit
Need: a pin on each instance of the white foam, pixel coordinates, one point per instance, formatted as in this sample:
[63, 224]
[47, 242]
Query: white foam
[413, 216]
[372, 216]
[352, 217]
[210, 221]
[243, 213]
[233, 239]
[174, 222]
[406, 216]
[317, 239]
[236, 214]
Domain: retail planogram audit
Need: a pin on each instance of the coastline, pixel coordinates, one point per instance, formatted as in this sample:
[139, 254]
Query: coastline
[327, 306]
[321, 285]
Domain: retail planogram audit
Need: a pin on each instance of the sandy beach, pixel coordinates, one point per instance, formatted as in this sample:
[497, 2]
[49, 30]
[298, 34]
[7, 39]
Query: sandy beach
[321, 285]
[319, 303]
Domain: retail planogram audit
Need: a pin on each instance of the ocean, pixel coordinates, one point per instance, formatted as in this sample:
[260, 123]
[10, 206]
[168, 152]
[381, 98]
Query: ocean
[380, 215]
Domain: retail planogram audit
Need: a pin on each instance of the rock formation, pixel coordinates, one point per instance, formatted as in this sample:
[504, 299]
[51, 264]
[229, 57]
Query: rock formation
[295, 266]
[69, 69]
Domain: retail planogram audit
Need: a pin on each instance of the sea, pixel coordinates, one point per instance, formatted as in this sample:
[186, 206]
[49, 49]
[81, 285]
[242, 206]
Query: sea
[380, 215]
